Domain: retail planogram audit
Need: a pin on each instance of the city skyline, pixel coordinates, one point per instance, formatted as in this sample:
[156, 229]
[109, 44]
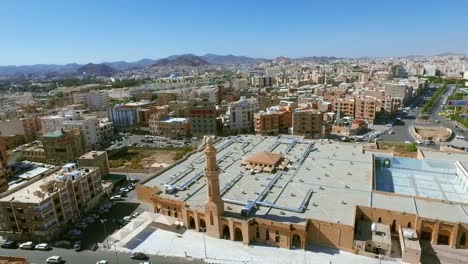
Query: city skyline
[112, 31]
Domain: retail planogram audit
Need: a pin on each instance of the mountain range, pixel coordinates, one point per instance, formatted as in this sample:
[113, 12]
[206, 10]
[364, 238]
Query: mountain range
[107, 68]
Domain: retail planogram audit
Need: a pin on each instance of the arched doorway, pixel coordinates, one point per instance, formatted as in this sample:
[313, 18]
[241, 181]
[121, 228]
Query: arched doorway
[444, 237]
[463, 239]
[191, 223]
[409, 225]
[426, 233]
[238, 234]
[380, 220]
[202, 225]
[296, 241]
[226, 232]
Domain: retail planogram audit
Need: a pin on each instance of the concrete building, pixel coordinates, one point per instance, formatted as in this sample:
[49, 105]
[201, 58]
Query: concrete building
[61, 147]
[310, 124]
[273, 121]
[240, 115]
[96, 159]
[261, 81]
[41, 209]
[176, 127]
[165, 98]
[119, 93]
[27, 127]
[365, 108]
[89, 126]
[202, 118]
[124, 118]
[328, 198]
[240, 84]
[34, 152]
[344, 106]
[97, 100]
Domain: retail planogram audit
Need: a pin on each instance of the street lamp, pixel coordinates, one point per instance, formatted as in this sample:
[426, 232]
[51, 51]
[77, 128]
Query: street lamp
[103, 222]
[203, 229]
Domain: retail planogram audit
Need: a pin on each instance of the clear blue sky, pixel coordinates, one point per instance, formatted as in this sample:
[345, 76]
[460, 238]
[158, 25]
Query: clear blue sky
[63, 31]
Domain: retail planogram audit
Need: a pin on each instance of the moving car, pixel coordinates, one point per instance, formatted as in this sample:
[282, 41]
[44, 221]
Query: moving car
[42, 246]
[27, 245]
[139, 256]
[54, 259]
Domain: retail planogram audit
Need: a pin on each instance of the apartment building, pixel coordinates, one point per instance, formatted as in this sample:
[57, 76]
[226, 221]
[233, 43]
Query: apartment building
[366, 108]
[165, 98]
[87, 124]
[261, 81]
[344, 106]
[240, 115]
[309, 123]
[273, 121]
[96, 159]
[97, 100]
[34, 152]
[124, 118]
[27, 127]
[41, 209]
[62, 146]
[202, 119]
[3, 163]
[176, 127]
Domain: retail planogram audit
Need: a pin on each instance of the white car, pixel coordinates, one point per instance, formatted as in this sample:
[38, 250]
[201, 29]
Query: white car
[54, 259]
[127, 218]
[42, 246]
[135, 215]
[460, 137]
[103, 261]
[407, 142]
[27, 245]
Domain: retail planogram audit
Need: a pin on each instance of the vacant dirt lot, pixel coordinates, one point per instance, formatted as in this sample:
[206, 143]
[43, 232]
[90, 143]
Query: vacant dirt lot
[135, 158]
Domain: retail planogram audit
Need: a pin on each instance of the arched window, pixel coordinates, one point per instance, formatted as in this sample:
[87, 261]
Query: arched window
[257, 233]
[380, 220]
[463, 239]
[267, 235]
[408, 225]
[393, 227]
[277, 237]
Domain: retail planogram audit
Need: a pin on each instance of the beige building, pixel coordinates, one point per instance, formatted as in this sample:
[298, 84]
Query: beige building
[273, 121]
[96, 159]
[331, 197]
[61, 147]
[34, 152]
[344, 106]
[366, 108]
[177, 127]
[27, 127]
[42, 208]
[309, 123]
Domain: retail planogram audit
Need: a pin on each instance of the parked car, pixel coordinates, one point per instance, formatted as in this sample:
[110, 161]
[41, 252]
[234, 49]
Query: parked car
[127, 218]
[9, 243]
[136, 214]
[77, 246]
[139, 256]
[103, 261]
[42, 246]
[75, 232]
[27, 245]
[89, 220]
[81, 225]
[117, 197]
[54, 259]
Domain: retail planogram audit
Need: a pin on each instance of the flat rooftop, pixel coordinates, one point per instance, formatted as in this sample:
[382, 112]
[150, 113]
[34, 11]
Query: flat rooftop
[30, 190]
[435, 179]
[91, 154]
[325, 181]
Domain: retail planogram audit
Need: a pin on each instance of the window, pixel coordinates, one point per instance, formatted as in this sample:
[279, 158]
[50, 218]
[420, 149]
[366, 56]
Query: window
[267, 235]
[380, 220]
[277, 237]
[257, 233]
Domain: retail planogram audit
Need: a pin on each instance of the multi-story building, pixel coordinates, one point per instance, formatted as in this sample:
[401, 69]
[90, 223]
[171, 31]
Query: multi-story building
[27, 127]
[365, 108]
[123, 117]
[176, 127]
[3, 163]
[309, 123]
[42, 209]
[80, 97]
[202, 118]
[87, 124]
[97, 100]
[165, 98]
[62, 146]
[261, 81]
[273, 121]
[96, 159]
[119, 94]
[240, 115]
[34, 152]
[344, 106]
[240, 84]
